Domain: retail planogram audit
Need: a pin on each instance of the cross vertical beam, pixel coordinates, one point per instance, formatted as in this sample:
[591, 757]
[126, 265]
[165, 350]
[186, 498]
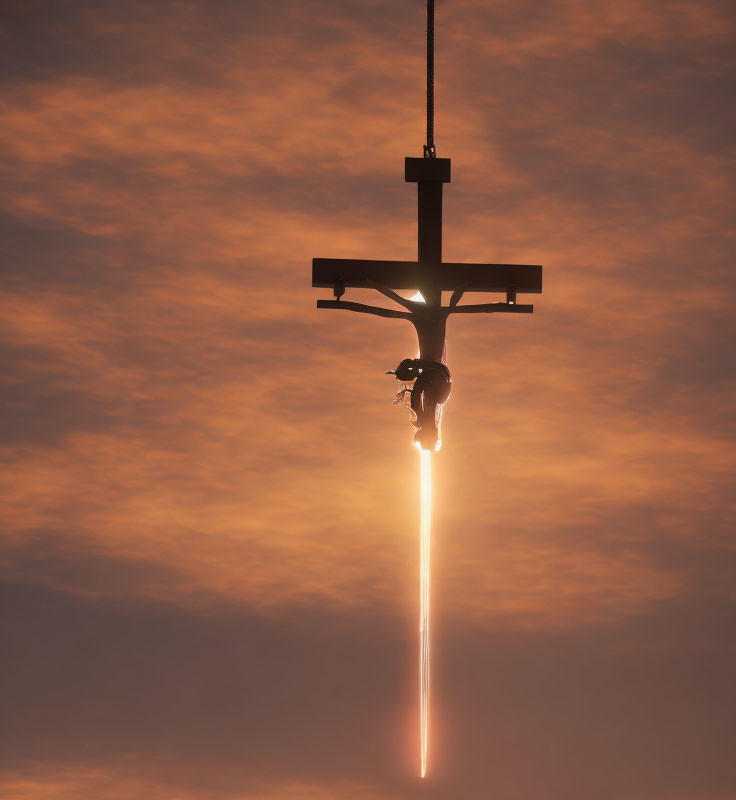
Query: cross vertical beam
[429, 174]
[430, 222]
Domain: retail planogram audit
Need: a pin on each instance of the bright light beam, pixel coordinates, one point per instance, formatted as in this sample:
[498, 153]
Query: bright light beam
[425, 511]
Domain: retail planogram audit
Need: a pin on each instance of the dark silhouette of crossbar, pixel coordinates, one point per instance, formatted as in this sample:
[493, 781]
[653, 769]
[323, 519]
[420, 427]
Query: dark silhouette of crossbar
[404, 275]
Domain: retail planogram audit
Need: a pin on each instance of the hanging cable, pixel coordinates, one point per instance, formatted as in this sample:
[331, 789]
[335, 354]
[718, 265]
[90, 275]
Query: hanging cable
[429, 149]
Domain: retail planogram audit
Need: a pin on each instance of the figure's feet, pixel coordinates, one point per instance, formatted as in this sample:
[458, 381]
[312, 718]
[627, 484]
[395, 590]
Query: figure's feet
[427, 438]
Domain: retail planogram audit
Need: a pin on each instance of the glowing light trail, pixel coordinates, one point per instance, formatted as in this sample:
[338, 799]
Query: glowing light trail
[425, 512]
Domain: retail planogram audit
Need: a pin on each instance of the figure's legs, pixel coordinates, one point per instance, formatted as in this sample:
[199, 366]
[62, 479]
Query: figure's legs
[436, 386]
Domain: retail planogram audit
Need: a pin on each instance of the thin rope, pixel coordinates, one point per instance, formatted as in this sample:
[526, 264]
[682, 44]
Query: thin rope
[429, 149]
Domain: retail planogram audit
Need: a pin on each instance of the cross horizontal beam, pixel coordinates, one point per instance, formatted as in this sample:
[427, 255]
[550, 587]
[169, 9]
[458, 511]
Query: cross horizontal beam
[520, 278]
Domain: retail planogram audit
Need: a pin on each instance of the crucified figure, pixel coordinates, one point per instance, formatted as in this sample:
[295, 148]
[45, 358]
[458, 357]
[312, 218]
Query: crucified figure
[428, 372]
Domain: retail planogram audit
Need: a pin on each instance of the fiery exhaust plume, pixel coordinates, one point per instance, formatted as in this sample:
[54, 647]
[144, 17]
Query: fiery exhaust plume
[425, 491]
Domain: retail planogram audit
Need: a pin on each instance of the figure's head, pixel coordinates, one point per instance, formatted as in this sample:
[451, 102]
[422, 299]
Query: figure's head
[406, 371]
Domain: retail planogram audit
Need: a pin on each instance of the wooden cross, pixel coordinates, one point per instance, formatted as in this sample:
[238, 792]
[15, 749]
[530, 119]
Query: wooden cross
[431, 277]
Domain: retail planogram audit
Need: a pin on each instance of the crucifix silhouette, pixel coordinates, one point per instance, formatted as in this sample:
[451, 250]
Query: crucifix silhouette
[430, 276]
[426, 379]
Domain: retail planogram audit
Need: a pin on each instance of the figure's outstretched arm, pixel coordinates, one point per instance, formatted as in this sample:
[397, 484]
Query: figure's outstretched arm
[347, 305]
[391, 294]
[490, 308]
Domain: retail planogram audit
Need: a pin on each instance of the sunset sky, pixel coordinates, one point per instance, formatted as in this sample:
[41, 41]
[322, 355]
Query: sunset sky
[209, 550]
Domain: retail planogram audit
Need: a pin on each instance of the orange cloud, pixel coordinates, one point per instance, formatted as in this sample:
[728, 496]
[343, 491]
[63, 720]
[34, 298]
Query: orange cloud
[110, 784]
